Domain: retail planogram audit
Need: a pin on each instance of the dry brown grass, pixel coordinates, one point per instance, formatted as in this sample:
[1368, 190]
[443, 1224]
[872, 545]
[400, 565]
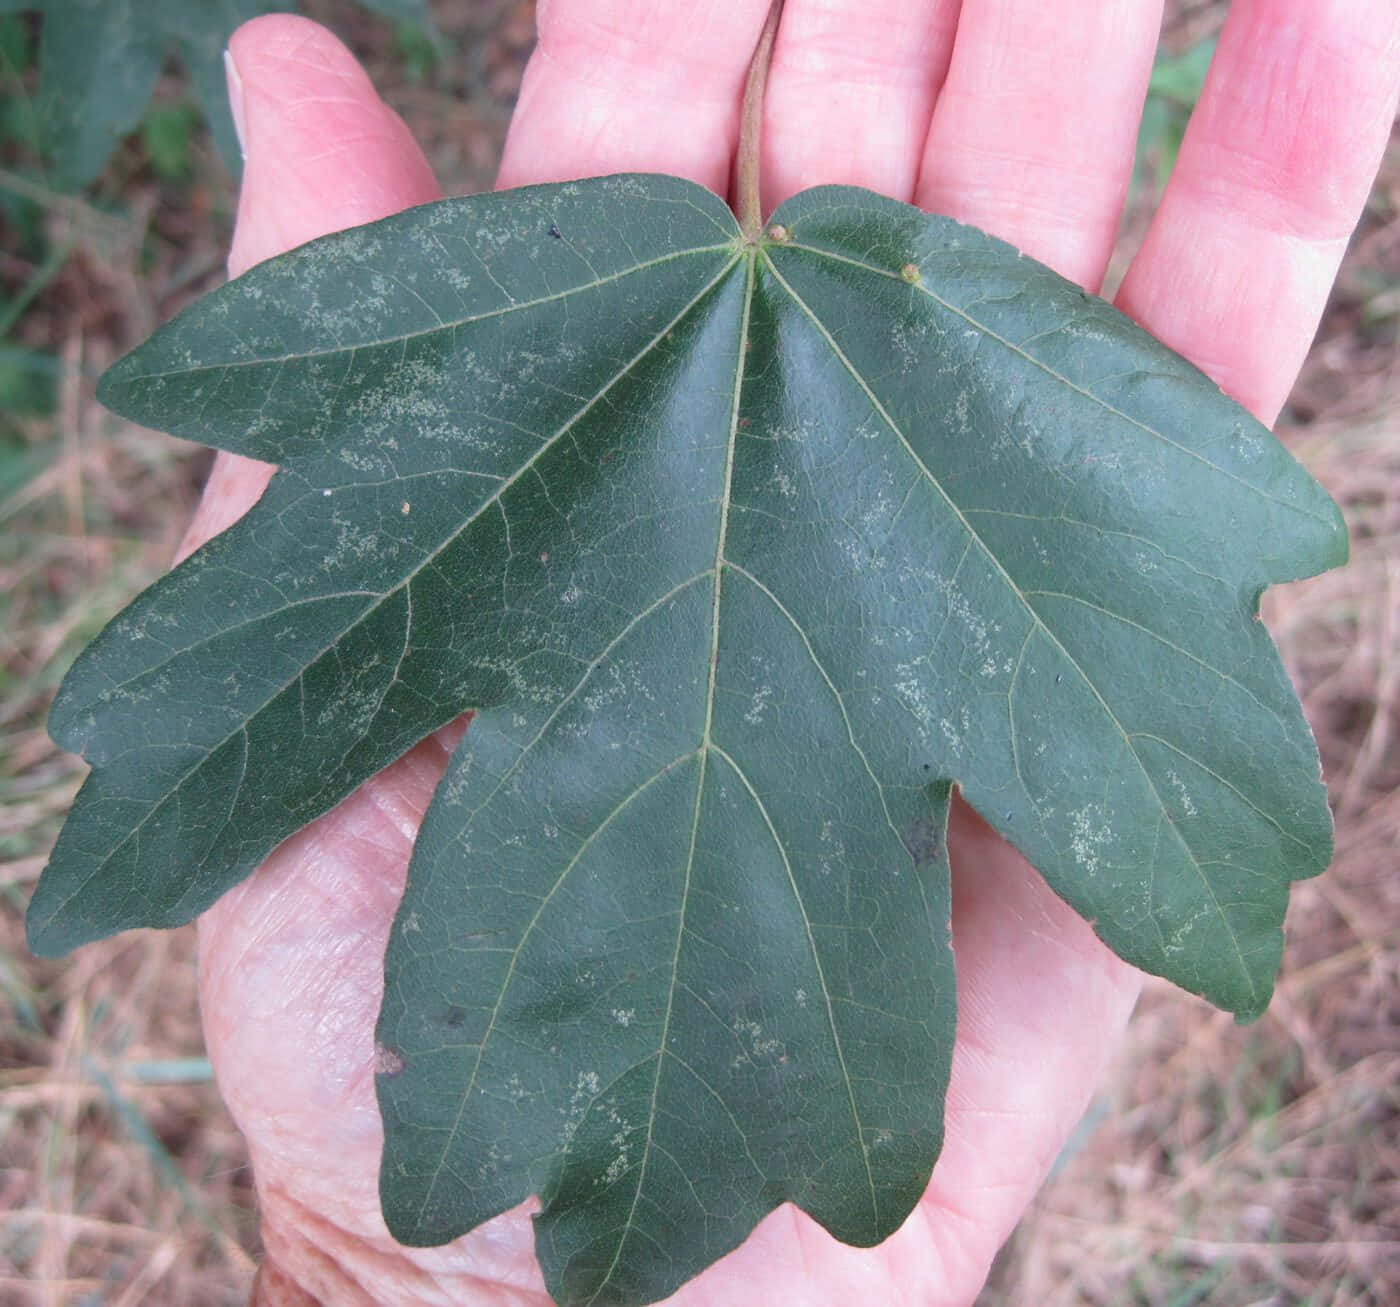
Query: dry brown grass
[1221, 1165]
[120, 1173]
[124, 1180]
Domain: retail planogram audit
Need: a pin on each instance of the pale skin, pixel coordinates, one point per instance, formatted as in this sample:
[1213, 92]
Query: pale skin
[1017, 115]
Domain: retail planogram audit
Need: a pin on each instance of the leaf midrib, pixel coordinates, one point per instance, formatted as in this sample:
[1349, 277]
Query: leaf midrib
[717, 576]
[707, 748]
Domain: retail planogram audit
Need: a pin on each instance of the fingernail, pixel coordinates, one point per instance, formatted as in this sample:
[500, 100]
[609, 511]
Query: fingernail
[235, 102]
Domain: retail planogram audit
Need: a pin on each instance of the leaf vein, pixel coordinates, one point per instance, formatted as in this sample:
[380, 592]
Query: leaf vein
[573, 862]
[888, 419]
[827, 997]
[717, 574]
[924, 289]
[451, 324]
[428, 560]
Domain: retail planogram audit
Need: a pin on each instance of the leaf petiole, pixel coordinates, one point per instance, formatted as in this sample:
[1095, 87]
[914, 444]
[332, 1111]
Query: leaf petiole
[750, 201]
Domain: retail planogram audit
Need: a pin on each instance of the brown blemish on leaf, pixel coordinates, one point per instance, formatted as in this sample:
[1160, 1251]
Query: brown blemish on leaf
[923, 837]
[387, 1062]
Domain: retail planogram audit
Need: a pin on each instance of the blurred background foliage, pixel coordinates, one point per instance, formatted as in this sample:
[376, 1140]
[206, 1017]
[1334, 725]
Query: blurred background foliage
[1219, 1165]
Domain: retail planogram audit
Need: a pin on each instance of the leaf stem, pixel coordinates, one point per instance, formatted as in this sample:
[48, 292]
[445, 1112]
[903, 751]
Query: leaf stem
[751, 128]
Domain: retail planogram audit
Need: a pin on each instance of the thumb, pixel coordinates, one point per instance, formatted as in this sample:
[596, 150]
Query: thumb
[322, 152]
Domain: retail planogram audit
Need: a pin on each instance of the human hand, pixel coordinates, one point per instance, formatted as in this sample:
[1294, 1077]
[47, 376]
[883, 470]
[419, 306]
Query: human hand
[1018, 116]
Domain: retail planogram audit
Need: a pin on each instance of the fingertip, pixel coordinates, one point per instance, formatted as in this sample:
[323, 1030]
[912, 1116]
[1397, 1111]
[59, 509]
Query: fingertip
[323, 151]
[287, 35]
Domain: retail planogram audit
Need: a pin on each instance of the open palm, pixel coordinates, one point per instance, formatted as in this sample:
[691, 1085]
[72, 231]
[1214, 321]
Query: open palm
[1017, 115]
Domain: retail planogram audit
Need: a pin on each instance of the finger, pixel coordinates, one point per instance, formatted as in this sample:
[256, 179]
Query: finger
[1033, 135]
[1276, 165]
[633, 86]
[1042, 1002]
[851, 92]
[322, 152]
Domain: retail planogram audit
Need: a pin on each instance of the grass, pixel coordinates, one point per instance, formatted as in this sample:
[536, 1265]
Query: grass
[1221, 1165]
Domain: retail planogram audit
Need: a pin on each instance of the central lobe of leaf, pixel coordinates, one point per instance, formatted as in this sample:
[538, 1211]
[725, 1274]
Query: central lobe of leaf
[683, 954]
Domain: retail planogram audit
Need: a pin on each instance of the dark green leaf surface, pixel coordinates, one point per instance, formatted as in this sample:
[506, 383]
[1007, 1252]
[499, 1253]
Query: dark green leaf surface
[743, 555]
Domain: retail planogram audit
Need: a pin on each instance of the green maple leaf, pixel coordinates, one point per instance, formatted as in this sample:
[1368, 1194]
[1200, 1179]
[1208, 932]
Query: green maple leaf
[744, 553]
[100, 60]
